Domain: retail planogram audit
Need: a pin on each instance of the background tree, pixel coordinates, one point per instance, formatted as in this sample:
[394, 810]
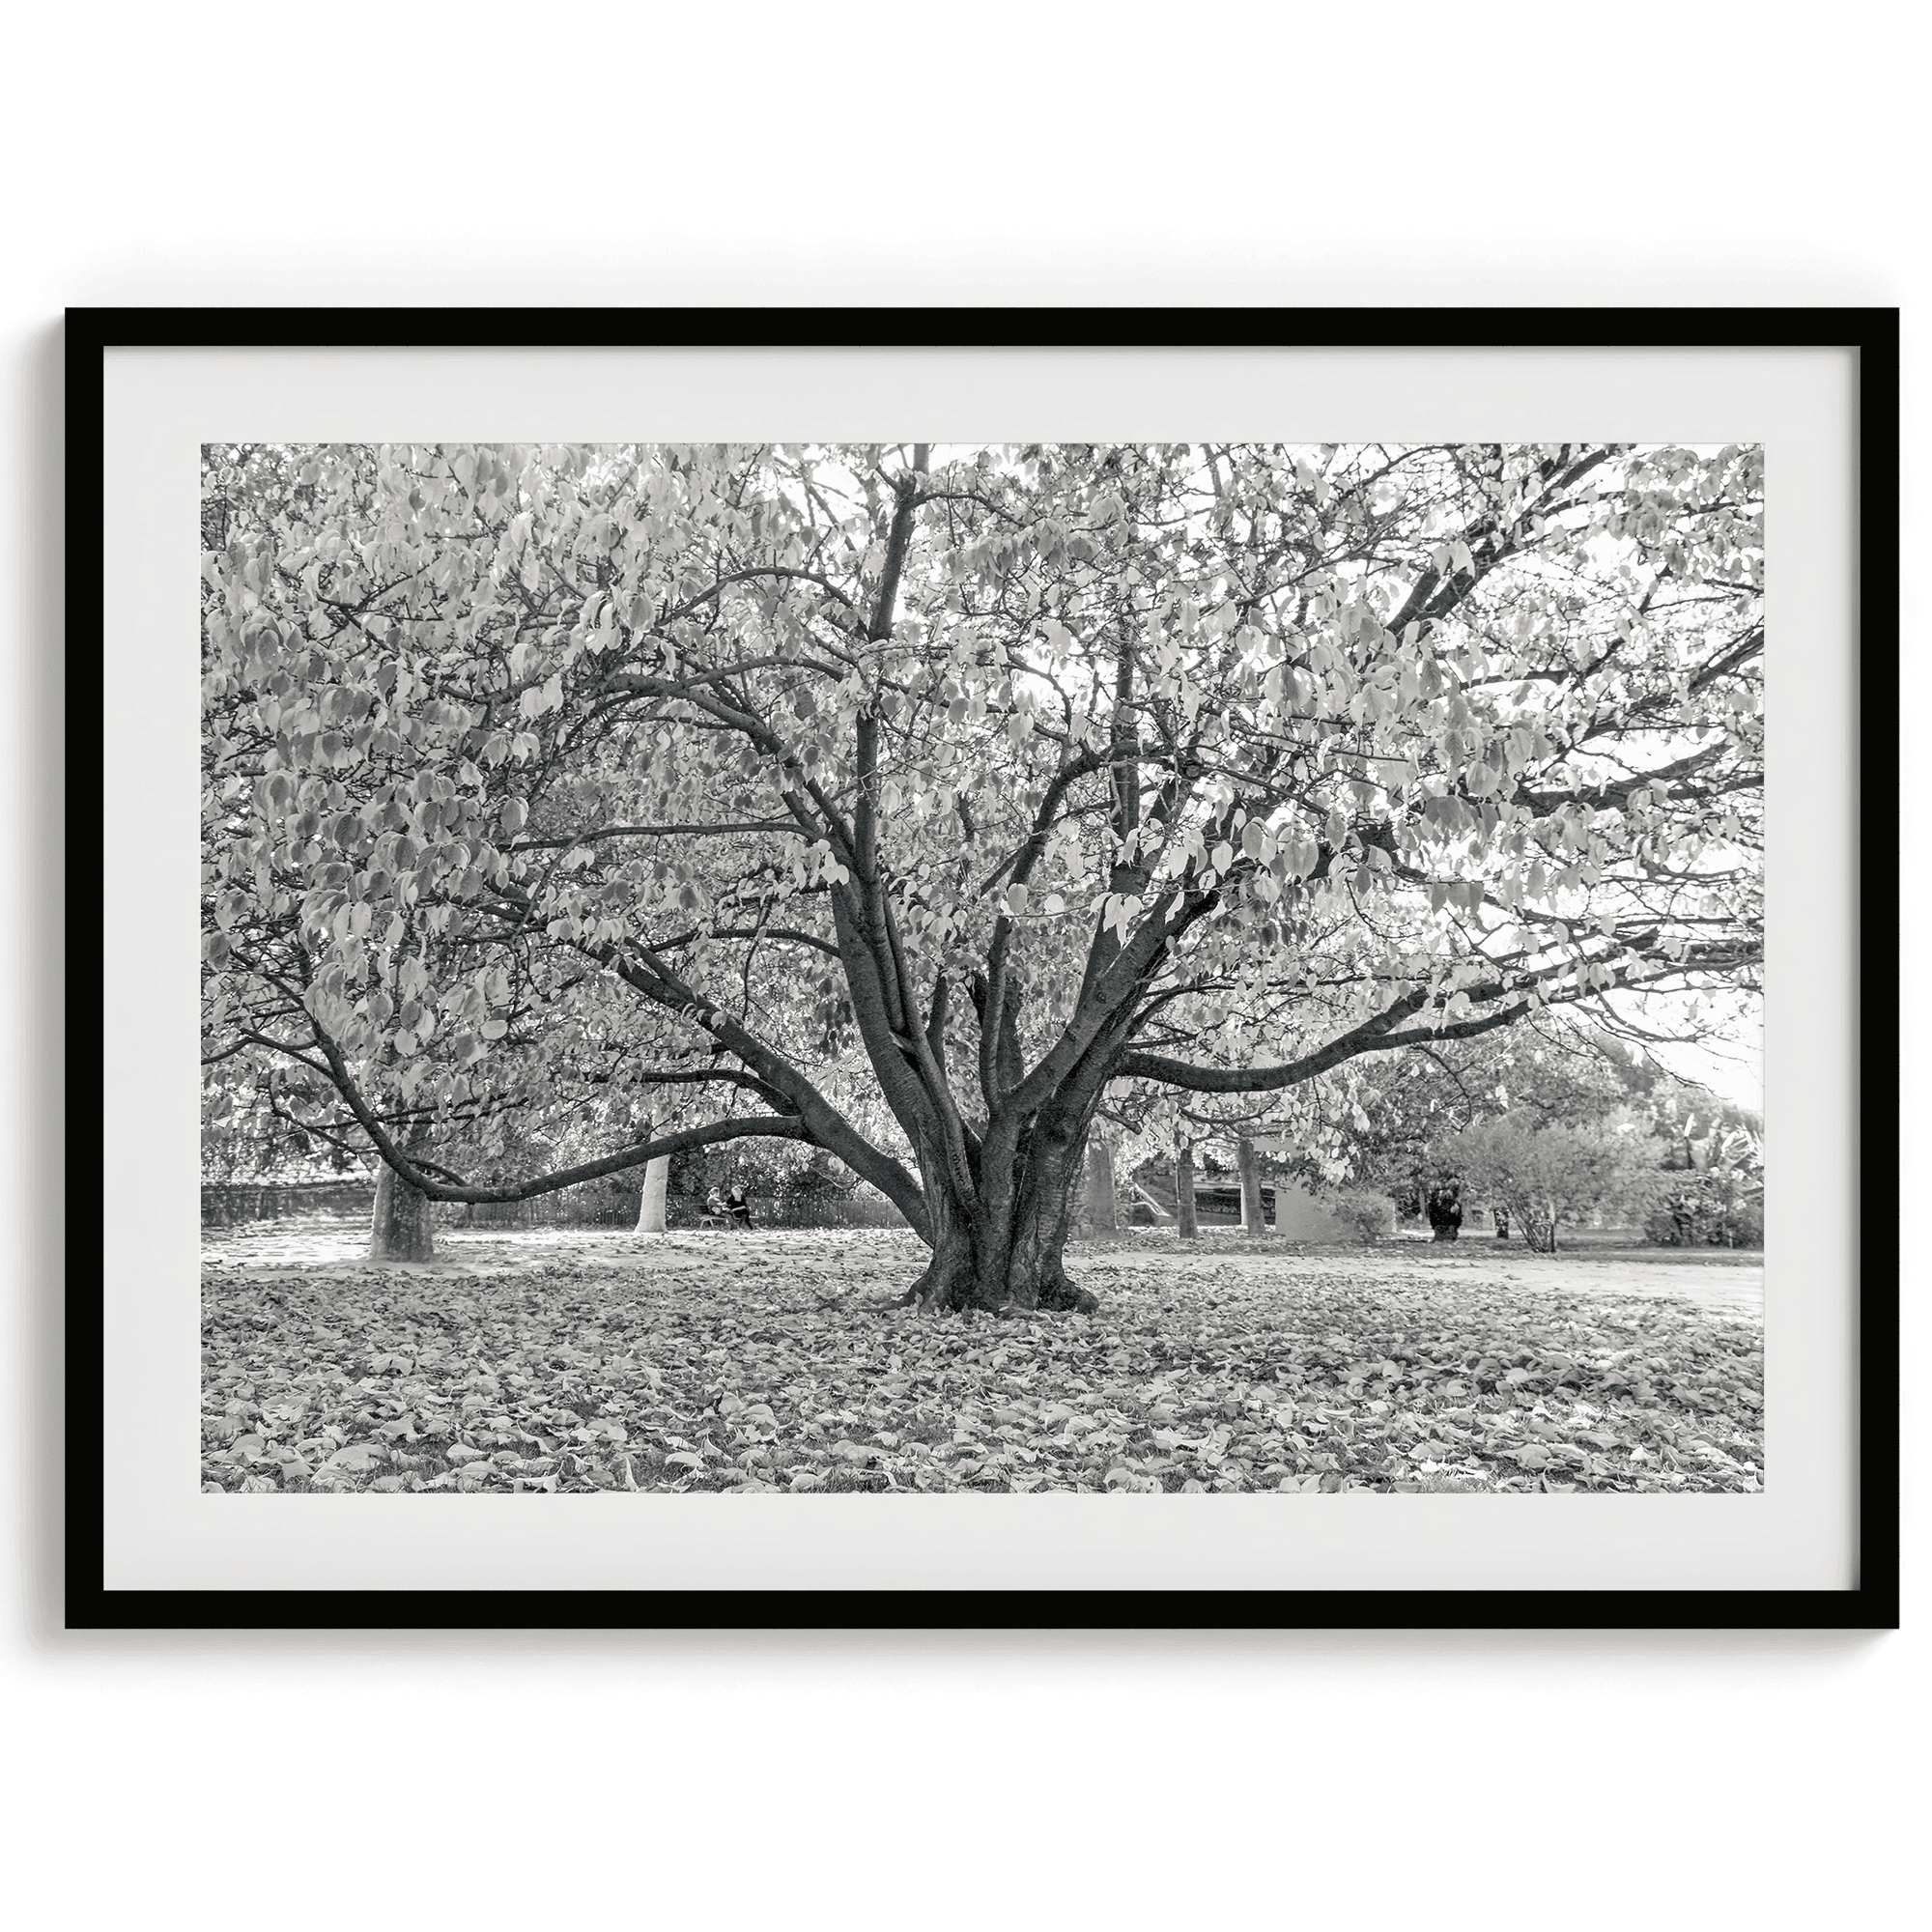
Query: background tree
[1550, 1176]
[1187, 1221]
[1382, 1121]
[912, 803]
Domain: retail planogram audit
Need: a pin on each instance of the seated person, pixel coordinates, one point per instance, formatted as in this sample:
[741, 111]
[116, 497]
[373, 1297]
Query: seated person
[715, 1210]
[738, 1208]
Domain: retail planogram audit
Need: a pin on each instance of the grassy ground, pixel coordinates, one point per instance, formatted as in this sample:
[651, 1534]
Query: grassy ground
[575, 1361]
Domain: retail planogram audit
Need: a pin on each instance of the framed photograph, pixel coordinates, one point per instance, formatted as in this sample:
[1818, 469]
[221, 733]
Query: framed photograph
[1224, 994]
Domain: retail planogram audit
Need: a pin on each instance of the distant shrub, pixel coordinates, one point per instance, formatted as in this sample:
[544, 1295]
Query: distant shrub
[1721, 1205]
[1369, 1214]
[1699, 1211]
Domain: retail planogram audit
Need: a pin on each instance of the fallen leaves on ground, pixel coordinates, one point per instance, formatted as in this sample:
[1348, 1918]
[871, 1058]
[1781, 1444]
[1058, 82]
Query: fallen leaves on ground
[592, 1361]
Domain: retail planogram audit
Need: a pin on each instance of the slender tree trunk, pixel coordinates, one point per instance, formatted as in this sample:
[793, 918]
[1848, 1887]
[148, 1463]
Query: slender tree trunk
[399, 1227]
[1186, 1224]
[1103, 1201]
[651, 1208]
[1254, 1221]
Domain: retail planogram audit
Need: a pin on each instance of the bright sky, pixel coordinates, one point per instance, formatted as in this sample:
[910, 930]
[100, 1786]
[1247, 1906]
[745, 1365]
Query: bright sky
[1729, 1059]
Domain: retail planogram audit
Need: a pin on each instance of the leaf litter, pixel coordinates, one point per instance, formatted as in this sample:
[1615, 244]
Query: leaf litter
[598, 1362]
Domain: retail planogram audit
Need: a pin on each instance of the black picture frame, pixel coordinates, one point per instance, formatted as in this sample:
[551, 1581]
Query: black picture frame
[1871, 333]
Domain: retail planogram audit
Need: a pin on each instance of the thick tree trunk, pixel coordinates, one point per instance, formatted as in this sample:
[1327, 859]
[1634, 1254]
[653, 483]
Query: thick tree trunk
[1186, 1224]
[1032, 1270]
[1009, 1258]
[399, 1227]
[1103, 1199]
[651, 1209]
[1254, 1221]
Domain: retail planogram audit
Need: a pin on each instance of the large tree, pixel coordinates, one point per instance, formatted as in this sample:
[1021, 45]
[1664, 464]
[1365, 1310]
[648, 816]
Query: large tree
[917, 801]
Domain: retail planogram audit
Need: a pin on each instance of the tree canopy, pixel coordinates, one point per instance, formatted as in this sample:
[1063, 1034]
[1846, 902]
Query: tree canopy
[907, 802]
[1381, 1119]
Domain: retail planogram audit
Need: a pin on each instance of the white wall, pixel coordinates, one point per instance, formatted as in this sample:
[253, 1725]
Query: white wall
[231, 153]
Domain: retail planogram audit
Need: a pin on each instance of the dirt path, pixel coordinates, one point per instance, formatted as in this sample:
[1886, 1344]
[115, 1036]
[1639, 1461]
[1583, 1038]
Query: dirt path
[1719, 1283]
[1733, 1288]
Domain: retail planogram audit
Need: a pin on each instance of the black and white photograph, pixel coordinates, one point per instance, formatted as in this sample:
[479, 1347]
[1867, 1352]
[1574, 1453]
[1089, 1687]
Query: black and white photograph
[1001, 925]
[1133, 967]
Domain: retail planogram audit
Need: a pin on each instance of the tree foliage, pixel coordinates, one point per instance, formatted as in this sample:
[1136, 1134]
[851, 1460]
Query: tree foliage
[1391, 1121]
[1717, 1201]
[911, 803]
[1377, 1120]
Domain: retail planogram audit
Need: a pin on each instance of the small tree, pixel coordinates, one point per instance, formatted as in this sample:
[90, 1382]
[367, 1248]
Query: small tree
[1550, 1176]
